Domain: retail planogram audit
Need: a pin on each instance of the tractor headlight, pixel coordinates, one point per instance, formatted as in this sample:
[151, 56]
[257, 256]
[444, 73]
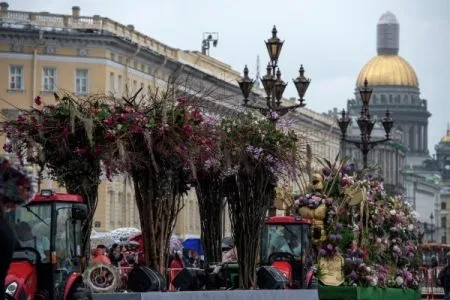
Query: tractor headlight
[11, 288]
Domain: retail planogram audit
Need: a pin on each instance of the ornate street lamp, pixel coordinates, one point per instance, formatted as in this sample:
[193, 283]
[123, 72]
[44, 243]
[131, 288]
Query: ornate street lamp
[273, 85]
[365, 124]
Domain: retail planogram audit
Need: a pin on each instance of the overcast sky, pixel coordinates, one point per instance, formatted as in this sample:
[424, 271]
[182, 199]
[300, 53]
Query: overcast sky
[333, 39]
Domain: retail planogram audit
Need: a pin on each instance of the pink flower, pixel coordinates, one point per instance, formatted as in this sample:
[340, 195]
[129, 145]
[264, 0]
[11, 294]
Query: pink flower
[21, 118]
[182, 101]
[79, 151]
[7, 147]
[38, 100]
[187, 129]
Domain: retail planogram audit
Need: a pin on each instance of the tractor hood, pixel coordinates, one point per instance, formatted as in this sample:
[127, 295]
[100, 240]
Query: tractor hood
[24, 274]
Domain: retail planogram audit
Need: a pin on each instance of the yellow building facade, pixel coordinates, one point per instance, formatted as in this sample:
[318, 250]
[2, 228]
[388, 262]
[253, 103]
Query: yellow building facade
[41, 53]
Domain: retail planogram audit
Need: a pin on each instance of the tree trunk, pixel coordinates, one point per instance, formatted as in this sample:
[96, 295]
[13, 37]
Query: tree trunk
[159, 203]
[210, 198]
[250, 193]
[89, 192]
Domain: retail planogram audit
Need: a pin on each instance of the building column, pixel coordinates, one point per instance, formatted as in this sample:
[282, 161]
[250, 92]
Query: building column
[420, 138]
[416, 138]
[425, 137]
[406, 135]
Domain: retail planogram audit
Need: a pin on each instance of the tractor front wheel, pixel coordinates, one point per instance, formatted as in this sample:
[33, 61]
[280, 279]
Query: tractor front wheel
[80, 292]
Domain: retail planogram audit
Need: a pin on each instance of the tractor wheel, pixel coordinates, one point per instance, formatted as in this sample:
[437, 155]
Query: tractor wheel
[80, 292]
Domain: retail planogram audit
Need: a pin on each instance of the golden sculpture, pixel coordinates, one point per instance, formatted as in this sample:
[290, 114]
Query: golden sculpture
[316, 183]
[284, 197]
[318, 214]
[332, 270]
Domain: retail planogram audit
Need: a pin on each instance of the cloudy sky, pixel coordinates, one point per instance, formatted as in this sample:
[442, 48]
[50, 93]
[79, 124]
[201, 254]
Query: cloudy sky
[333, 39]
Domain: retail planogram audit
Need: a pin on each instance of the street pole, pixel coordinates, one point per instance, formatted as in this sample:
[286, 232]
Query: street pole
[366, 125]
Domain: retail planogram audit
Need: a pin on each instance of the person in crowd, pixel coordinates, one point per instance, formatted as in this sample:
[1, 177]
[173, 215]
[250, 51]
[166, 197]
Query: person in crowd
[177, 261]
[444, 278]
[115, 255]
[230, 256]
[194, 259]
[187, 254]
[28, 239]
[175, 267]
[100, 255]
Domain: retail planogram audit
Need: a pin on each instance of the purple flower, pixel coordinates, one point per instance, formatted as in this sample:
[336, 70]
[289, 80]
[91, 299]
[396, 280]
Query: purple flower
[358, 261]
[326, 171]
[322, 252]
[338, 237]
[274, 115]
[339, 226]
[353, 276]
[348, 261]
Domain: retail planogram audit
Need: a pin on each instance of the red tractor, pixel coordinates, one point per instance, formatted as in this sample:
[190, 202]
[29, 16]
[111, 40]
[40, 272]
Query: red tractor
[286, 246]
[48, 258]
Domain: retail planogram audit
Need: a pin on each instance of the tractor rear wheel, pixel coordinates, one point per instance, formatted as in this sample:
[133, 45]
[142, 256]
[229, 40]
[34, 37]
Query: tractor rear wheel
[80, 292]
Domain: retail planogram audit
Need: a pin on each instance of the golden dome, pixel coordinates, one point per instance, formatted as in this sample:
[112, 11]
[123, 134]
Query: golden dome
[391, 70]
[446, 138]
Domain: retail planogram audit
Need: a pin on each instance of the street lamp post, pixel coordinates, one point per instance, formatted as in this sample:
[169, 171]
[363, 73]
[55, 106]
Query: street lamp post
[273, 85]
[365, 124]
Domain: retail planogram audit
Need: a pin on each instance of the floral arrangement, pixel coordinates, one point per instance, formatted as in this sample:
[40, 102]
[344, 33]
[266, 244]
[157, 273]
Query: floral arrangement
[252, 139]
[15, 185]
[376, 233]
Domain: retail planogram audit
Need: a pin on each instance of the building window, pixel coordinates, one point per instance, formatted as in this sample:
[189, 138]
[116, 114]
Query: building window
[444, 205]
[16, 78]
[113, 56]
[443, 239]
[81, 81]
[120, 208]
[134, 87]
[112, 209]
[111, 82]
[119, 85]
[444, 221]
[136, 216]
[48, 79]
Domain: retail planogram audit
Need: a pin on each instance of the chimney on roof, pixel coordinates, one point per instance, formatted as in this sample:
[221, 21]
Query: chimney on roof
[75, 11]
[130, 27]
[4, 6]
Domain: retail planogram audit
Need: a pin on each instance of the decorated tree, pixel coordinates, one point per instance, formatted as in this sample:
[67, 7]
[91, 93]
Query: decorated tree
[66, 139]
[256, 153]
[156, 141]
[209, 188]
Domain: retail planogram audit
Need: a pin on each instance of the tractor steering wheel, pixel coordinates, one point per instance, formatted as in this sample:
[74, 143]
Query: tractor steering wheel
[25, 250]
[281, 256]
